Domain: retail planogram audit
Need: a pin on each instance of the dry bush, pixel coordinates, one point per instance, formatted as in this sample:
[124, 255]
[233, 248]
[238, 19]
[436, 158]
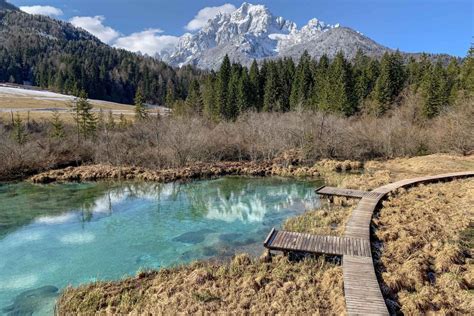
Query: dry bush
[178, 141]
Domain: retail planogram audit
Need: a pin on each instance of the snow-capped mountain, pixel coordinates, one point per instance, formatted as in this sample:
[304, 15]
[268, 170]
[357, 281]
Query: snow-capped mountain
[253, 32]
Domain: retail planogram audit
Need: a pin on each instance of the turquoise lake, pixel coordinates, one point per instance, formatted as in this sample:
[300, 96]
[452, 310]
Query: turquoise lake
[60, 234]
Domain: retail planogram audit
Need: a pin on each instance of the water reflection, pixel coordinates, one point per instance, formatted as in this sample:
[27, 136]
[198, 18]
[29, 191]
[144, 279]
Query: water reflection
[56, 235]
[241, 202]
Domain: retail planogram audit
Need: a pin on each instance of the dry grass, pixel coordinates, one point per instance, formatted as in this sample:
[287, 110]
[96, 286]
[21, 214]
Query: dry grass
[427, 250]
[329, 220]
[243, 286]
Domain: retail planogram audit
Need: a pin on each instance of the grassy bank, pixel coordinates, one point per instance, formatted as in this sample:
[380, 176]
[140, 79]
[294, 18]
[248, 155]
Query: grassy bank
[313, 285]
[426, 259]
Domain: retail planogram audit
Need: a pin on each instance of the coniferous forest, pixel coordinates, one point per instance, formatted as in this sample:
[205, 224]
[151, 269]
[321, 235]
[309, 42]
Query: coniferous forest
[338, 86]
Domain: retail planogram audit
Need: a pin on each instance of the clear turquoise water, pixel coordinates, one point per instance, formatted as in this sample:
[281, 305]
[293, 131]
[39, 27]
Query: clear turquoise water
[60, 234]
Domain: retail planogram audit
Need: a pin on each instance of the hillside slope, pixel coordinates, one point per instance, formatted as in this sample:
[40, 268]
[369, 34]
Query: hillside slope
[56, 55]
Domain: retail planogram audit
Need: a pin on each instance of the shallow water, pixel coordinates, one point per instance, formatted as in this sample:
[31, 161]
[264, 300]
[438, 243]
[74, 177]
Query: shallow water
[60, 234]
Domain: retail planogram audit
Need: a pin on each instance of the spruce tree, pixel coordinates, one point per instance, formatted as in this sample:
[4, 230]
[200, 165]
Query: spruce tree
[86, 122]
[244, 92]
[321, 88]
[255, 84]
[435, 91]
[341, 94]
[57, 126]
[302, 83]
[210, 97]
[140, 109]
[110, 124]
[19, 132]
[222, 87]
[272, 89]
[467, 72]
[194, 101]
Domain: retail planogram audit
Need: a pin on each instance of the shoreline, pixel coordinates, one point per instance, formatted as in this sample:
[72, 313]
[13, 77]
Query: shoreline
[197, 171]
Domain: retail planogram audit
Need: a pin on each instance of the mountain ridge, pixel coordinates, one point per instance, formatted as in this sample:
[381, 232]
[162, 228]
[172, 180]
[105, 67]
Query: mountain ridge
[253, 32]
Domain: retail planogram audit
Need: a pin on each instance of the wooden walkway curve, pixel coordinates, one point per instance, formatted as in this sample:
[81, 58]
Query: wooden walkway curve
[361, 288]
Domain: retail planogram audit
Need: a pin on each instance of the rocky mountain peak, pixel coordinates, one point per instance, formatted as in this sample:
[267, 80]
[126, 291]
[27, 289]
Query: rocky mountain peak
[253, 32]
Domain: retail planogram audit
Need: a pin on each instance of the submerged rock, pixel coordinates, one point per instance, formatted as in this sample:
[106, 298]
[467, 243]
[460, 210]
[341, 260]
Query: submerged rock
[193, 237]
[31, 301]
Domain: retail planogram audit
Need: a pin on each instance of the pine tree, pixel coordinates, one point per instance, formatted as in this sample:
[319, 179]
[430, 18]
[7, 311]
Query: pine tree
[321, 88]
[86, 122]
[140, 109]
[302, 84]
[435, 91]
[19, 132]
[467, 72]
[255, 86]
[286, 73]
[210, 98]
[110, 124]
[244, 92]
[341, 94]
[272, 89]
[100, 120]
[123, 122]
[194, 101]
[57, 126]
[170, 93]
[222, 87]
[231, 110]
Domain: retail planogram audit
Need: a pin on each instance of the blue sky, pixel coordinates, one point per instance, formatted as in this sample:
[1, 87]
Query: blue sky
[436, 26]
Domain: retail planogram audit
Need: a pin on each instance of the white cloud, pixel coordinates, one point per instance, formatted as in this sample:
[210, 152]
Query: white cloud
[42, 9]
[208, 13]
[95, 26]
[148, 42]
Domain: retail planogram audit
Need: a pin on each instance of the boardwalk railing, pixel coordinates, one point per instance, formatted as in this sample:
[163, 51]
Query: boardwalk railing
[361, 288]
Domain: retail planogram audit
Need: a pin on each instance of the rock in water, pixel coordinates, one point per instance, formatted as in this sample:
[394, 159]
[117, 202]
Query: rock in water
[31, 301]
[193, 237]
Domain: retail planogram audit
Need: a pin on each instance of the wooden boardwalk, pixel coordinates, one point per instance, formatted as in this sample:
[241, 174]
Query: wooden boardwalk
[331, 191]
[303, 242]
[361, 288]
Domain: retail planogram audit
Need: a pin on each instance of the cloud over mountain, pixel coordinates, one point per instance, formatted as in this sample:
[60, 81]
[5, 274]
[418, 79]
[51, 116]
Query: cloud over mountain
[42, 10]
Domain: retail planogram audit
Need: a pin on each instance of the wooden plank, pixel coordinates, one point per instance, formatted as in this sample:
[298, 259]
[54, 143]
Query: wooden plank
[270, 235]
[332, 191]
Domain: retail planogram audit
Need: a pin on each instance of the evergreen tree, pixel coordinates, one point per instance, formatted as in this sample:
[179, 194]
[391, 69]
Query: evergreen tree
[390, 82]
[272, 89]
[321, 88]
[244, 92]
[100, 120]
[467, 72]
[210, 97]
[341, 94]
[19, 132]
[194, 101]
[86, 122]
[123, 122]
[435, 91]
[302, 83]
[140, 109]
[222, 87]
[110, 124]
[255, 86]
[57, 126]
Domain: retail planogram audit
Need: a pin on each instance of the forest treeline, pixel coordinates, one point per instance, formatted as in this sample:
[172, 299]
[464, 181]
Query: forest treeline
[57, 56]
[337, 86]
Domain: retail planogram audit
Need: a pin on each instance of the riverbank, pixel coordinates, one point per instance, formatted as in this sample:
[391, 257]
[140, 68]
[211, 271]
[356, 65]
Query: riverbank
[278, 284]
[277, 167]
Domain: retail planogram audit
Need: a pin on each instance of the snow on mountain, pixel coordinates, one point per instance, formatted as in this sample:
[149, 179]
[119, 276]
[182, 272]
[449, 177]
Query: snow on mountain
[253, 32]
